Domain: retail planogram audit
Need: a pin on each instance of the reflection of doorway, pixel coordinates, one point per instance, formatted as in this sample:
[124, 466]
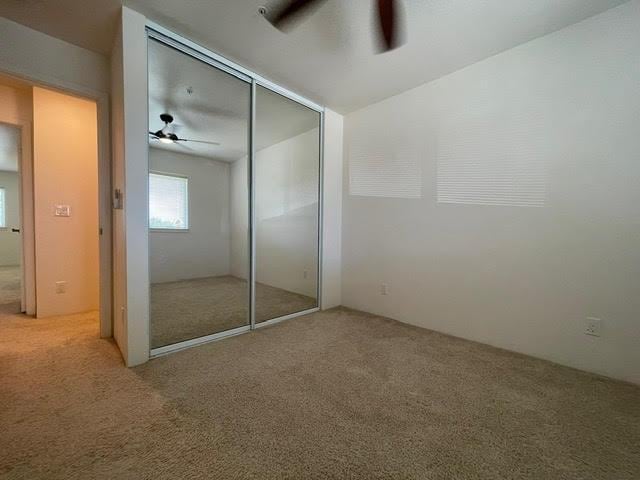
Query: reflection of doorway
[11, 284]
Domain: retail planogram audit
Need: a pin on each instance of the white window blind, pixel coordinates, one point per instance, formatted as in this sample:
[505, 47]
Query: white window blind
[3, 209]
[385, 160]
[168, 202]
[490, 161]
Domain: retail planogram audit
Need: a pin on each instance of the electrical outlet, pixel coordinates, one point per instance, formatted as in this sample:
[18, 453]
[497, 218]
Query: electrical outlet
[593, 327]
[61, 287]
[384, 289]
[305, 274]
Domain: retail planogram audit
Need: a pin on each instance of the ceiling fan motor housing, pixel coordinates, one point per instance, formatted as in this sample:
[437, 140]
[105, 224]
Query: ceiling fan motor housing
[166, 118]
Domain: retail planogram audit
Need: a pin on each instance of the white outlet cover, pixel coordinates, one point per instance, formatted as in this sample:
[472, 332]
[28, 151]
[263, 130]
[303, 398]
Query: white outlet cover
[593, 327]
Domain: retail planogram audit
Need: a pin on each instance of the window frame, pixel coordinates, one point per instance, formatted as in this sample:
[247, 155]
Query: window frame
[187, 206]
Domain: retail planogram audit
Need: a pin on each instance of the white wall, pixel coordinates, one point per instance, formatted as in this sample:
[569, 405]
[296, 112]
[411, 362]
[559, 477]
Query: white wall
[119, 263]
[38, 56]
[332, 212]
[521, 278]
[10, 251]
[286, 214]
[65, 152]
[130, 176]
[203, 250]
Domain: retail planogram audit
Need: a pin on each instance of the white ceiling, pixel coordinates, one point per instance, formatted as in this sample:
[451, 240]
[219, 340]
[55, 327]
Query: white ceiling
[210, 105]
[330, 57]
[9, 147]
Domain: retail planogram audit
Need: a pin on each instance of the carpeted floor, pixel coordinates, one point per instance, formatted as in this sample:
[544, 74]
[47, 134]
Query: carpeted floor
[10, 287]
[337, 394]
[194, 308]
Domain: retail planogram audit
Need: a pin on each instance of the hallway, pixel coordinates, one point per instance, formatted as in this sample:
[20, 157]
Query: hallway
[10, 287]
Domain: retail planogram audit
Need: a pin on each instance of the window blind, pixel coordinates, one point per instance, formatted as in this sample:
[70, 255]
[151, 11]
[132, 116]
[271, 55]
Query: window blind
[168, 202]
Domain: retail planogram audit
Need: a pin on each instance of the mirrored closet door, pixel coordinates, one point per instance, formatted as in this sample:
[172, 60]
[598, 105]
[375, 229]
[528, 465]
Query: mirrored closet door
[287, 194]
[198, 197]
[234, 199]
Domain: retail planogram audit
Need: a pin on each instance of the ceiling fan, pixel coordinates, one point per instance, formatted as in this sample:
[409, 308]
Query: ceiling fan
[164, 136]
[389, 22]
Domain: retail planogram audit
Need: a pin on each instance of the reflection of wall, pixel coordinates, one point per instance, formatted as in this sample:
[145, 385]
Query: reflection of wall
[203, 251]
[332, 168]
[286, 214]
[10, 242]
[239, 219]
[522, 278]
[65, 151]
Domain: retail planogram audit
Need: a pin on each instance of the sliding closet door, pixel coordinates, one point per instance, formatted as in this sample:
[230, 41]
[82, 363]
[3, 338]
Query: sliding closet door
[287, 189]
[198, 197]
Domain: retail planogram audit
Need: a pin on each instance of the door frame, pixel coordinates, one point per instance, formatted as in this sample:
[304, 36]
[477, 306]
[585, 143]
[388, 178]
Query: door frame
[25, 174]
[104, 193]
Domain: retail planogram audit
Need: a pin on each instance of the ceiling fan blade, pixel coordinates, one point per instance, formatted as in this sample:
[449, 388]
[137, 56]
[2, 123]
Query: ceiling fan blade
[286, 15]
[389, 23]
[197, 141]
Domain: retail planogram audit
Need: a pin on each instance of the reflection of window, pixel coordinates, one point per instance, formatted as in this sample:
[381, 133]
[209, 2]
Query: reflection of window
[168, 202]
[3, 209]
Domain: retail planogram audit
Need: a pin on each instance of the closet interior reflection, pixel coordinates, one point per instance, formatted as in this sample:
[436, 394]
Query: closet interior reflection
[234, 190]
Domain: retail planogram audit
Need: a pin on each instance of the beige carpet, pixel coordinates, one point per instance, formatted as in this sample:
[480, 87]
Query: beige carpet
[10, 286]
[194, 308]
[336, 394]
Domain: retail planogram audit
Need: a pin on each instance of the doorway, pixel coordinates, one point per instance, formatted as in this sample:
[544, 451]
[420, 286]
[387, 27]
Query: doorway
[12, 298]
[234, 200]
[54, 227]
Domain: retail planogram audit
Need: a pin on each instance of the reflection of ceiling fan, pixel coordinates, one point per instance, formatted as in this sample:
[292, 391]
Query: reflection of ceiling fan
[389, 21]
[165, 136]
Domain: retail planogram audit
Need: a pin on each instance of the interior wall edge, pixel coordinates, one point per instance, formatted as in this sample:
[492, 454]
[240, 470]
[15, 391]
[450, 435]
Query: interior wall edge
[135, 182]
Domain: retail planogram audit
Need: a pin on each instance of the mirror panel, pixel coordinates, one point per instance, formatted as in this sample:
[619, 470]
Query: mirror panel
[198, 198]
[287, 188]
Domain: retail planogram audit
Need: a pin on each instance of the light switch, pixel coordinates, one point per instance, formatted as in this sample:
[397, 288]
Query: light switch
[62, 211]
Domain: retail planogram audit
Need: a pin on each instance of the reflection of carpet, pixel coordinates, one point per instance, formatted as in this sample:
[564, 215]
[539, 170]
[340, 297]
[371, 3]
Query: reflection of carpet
[194, 308]
[10, 284]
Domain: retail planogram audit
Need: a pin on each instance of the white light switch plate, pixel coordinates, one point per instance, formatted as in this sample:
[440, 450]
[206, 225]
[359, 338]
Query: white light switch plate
[62, 211]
